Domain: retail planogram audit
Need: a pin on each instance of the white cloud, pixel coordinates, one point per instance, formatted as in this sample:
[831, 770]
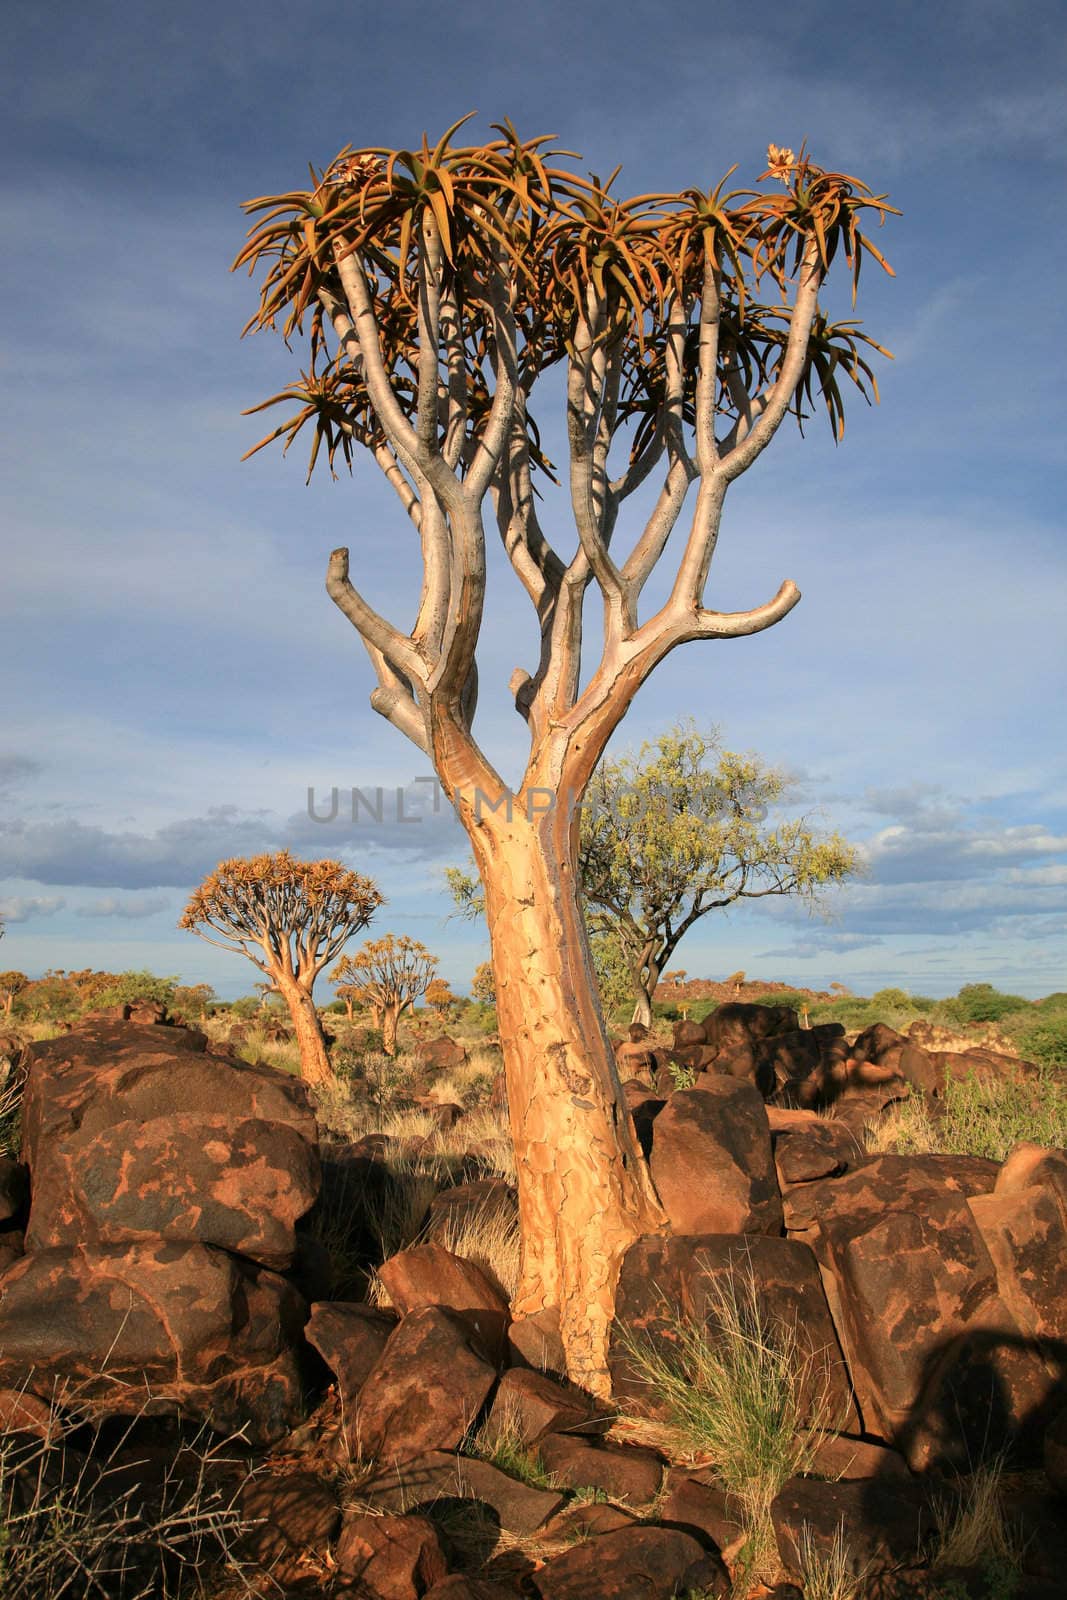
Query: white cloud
[131, 907]
[23, 908]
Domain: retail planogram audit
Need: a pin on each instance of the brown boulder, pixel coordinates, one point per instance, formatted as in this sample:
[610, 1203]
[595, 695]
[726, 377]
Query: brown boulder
[109, 1073]
[287, 1519]
[1024, 1226]
[841, 1458]
[440, 1055]
[940, 1364]
[585, 1519]
[424, 1392]
[429, 1275]
[426, 1480]
[350, 1338]
[184, 1323]
[529, 1404]
[878, 1043]
[187, 1177]
[887, 1524]
[664, 1281]
[396, 1558]
[620, 1472]
[712, 1163]
[697, 1503]
[804, 1155]
[636, 1563]
[738, 1023]
[535, 1341]
[689, 1033]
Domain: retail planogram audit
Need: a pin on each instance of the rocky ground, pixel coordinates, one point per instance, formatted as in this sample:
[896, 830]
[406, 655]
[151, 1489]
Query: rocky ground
[170, 1262]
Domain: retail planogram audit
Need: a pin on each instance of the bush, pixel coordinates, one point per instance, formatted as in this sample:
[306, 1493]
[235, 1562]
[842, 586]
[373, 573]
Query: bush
[785, 997]
[980, 1002]
[74, 1524]
[132, 988]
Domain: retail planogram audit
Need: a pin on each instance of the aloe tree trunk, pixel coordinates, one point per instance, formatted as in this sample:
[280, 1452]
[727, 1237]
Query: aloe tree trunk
[585, 1193]
[314, 1058]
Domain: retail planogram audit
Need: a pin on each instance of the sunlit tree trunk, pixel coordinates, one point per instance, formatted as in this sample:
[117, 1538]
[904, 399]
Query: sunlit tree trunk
[314, 1058]
[390, 1021]
[585, 1193]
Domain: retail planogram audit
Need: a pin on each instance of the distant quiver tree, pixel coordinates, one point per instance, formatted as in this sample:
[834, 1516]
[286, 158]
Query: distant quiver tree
[291, 918]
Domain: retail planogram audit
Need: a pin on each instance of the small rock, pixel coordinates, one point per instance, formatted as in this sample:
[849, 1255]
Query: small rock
[397, 1558]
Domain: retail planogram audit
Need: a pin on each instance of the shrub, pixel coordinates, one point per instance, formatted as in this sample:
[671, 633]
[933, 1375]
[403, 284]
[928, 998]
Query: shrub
[979, 1117]
[131, 988]
[980, 1002]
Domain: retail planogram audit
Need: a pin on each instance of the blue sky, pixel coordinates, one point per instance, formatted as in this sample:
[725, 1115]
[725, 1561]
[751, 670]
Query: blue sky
[175, 677]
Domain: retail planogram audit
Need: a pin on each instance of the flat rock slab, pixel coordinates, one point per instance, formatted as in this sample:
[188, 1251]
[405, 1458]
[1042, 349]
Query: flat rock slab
[637, 1563]
[622, 1473]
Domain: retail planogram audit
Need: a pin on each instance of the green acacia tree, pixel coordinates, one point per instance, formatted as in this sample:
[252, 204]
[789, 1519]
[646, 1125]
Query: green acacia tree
[684, 828]
[434, 287]
[670, 834]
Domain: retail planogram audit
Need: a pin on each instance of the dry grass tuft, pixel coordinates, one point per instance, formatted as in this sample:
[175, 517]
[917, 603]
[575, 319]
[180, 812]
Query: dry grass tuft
[75, 1523]
[737, 1393]
[835, 1574]
[972, 1528]
[490, 1238]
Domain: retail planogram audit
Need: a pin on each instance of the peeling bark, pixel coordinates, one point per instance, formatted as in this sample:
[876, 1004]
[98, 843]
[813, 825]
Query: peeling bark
[585, 1193]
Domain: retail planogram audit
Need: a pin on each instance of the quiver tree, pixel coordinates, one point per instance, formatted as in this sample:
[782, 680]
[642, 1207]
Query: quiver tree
[440, 999]
[290, 918]
[388, 975]
[433, 288]
[11, 986]
[684, 828]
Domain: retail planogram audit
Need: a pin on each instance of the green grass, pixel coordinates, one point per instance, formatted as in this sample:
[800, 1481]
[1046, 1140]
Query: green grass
[981, 1117]
[500, 1442]
[734, 1390]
